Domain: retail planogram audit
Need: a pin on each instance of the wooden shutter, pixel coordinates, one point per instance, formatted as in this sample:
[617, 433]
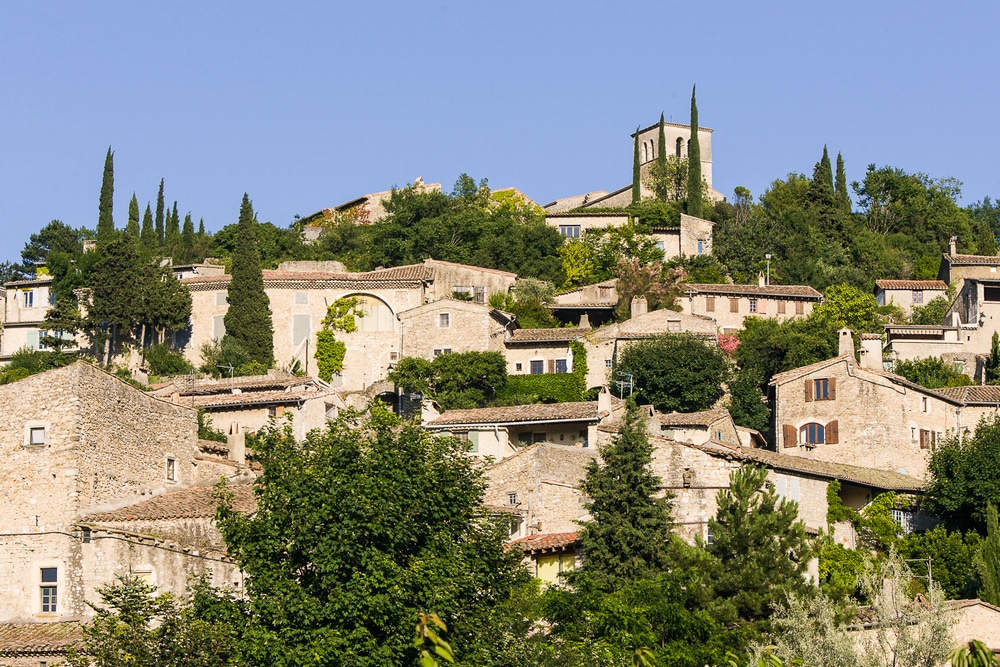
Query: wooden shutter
[710, 304]
[734, 305]
[552, 365]
[809, 390]
[788, 431]
[832, 433]
[923, 439]
[832, 389]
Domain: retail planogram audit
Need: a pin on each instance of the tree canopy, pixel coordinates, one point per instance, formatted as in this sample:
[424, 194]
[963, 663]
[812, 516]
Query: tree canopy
[675, 372]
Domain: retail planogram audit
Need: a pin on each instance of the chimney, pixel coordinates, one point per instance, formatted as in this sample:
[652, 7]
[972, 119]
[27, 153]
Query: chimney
[237, 442]
[871, 351]
[604, 400]
[639, 306]
[760, 279]
[951, 245]
[846, 347]
[584, 321]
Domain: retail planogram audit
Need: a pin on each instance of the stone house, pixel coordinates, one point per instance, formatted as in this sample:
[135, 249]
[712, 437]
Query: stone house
[590, 305]
[909, 294]
[78, 441]
[502, 431]
[691, 236]
[696, 427]
[730, 305]
[978, 402]
[539, 351]
[25, 306]
[362, 210]
[450, 325]
[844, 412]
[551, 555]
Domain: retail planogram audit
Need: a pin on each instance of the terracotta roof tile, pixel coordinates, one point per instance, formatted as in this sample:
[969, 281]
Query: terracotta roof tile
[252, 383]
[974, 394]
[546, 335]
[984, 260]
[586, 410]
[755, 290]
[413, 272]
[912, 284]
[441, 262]
[196, 502]
[705, 418]
[40, 280]
[38, 638]
[252, 398]
[546, 542]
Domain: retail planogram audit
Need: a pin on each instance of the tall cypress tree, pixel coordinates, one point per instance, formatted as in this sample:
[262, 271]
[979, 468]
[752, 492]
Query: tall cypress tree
[989, 559]
[147, 236]
[628, 536]
[821, 189]
[840, 194]
[248, 320]
[173, 230]
[186, 254]
[661, 159]
[105, 217]
[694, 193]
[160, 229]
[132, 228]
[636, 190]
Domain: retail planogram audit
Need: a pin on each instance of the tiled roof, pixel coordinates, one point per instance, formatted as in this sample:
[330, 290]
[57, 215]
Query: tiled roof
[196, 502]
[546, 542]
[40, 280]
[413, 272]
[704, 418]
[611, 282]
[974, 394]
[585, 410]
[38, 638]
[546, 335]
[806, 370]
[281, 397]
[756, 290]
[912, 284]
[441, 262]
[254, 383]
[984, 260]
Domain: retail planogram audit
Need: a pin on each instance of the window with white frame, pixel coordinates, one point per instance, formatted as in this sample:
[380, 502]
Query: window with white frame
[570, 231]
[444, 320]
[36, 435]
[562, 366]
[608, 363]
[49, 590]
[29, 298]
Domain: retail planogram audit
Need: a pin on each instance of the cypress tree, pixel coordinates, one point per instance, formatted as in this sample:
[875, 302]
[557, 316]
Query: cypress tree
[147, 236]
[661, 160]
[248, 320]
[187, 241]
[105, 217]
[636, 191]
[628, 536]
[160, 230]
[840, 194]
[821, 189]
[173, 230]
[132, 228]
[694, 190]
[989, 559]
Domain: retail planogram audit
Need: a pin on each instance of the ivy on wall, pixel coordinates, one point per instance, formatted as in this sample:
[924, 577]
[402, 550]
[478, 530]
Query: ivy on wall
[341, 315]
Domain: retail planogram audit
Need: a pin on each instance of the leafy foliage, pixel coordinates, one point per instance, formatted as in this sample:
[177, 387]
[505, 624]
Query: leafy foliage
[931, 372]
[964, 478]
[459, 380]
[28, 362]
[989, 558]
[162, 360]
[341, 315]
[932, 313]
[357, 530]
[675, 372]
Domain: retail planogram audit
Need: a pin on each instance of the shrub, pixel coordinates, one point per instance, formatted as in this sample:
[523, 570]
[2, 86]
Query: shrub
[161, 360]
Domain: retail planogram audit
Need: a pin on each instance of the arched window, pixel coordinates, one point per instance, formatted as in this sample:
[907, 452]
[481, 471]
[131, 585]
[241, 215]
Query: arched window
[680, 142]
[378, 315]
[645, 152]
[812, 434]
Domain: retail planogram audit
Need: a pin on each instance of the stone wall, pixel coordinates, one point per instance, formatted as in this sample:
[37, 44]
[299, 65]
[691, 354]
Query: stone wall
[720, 308]
[520, 355]
[470, 328]
[448, 276]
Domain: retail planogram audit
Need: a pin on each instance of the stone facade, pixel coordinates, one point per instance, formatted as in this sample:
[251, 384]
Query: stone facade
[24, 308]
[693, 236]
[909, 294]
[77, 441]
[678, 137]
[730, 305]
[449, 325]
[539, 351]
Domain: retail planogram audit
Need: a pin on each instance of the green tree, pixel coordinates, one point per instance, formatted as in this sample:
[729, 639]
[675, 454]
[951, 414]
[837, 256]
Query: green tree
[147, 234]
[761, 544]
[964, 477]
[694, 188]
[847, 306]
[173, 231]
[675, 372]
[360, 528]
[186, 254]
[931, 372]
[636, 182]
[628, 535]
[248, 320]
[132, 228]
[661, 157]
[993, 361]
[932, 313]
[455, 381]
[56, 236]
[105, 218]
[748, 406]
[840, 194]
[161, 231]
[989, 559]
[953, 556]
[116, 294]
[821, 190]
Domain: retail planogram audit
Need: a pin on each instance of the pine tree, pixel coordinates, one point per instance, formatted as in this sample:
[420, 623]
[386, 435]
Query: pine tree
[132, 228]
[248, 320]
[628, 535]
[636, 189]
[105, 217]
[147, 237]
[160, 229]
[694, 189]
[761, 544]
[661, 157]
[840, 194]
[989, 559]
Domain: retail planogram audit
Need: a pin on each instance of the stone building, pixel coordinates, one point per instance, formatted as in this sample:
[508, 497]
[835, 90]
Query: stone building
[909, 294]
[78, 441]
[590, 305]
[691, 236]
[25, 306]
[450, 325]
[844, 412]
[539, 351]
[729, 305]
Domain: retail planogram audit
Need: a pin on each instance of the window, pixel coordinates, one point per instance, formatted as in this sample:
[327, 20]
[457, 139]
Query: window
[753, 305]
[537, 437]
[661, 246]
[584, 437]
[272, 411]
[677, 152]
[33, 340]
[50, 597]
[821, 389]
[709, 535]
[218, 327]
[812, 434]
[562, 366]
[394, 356]
[479, 294]
[570, 231]
[171, 470]
[444, 320]
[904, 518]
[781, 307]
[918, 296]
[701, 246]
[518, 367]
[673, 325]
[440, 351]
[36, 435]
[537, 367]
[302, 298]
[927, 439]
[220, 298]
[300, 329]
[710, 304]
[608, 363]
[512, 498]
[524, 439]
[29, 298]
[923, 404]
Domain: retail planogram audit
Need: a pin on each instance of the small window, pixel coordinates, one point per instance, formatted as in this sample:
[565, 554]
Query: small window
[709, 536]
[218, 327]
[272, 411]
[918, 296]
[608, 363]
[570, 231]
[821, 389]
[49, 590]
[734, 305]
[171, 470]
[445, 350]
[812, 434]
[562, 366]
[29, 299]
[661, 246]
[710, 304]
[444, 320]
[753, 305]
[479, 294]
[394, 356]
[518, 367]
[36, 435]
[524, 439]
[799, 308]
[537, 437]
[220, 298]
[923, 404]
[537, 367]
[512, 498]
[673, 325]
[302, 298]
[701, 247]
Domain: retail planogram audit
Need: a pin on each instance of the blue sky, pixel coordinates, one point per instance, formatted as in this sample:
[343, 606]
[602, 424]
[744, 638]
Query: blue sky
[307, 104]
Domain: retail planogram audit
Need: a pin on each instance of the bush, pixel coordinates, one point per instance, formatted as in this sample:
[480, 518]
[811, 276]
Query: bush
[26, 362]
[217, 357]
[548, 388]
[675, 372]
[161, 360]
[932, 372]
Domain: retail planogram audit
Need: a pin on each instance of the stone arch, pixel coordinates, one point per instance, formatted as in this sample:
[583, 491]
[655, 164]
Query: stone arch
[679, 144]
[378, 315]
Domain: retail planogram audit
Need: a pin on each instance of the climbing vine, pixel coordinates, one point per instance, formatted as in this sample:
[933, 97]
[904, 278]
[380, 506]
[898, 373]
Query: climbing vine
[341, 315]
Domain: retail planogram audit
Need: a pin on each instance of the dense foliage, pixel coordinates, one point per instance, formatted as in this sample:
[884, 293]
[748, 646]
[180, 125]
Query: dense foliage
[931, 372]
[248, 319]
[457, 380]
[964, 477]
[674, 372]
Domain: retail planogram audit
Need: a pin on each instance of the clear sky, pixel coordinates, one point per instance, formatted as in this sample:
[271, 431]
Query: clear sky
[305, 105]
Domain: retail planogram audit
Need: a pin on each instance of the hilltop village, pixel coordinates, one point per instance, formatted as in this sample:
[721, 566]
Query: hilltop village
[834, 353]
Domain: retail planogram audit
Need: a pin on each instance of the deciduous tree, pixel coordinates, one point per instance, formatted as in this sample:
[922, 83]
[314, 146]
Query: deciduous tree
[675, 372]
